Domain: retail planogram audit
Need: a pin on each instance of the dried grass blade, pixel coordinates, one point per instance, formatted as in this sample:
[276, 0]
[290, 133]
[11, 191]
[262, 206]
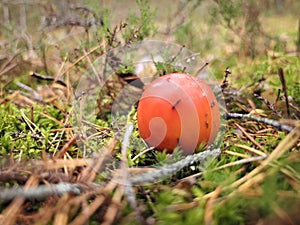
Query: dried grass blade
[250, 138]
[287, 143]
[90, 209]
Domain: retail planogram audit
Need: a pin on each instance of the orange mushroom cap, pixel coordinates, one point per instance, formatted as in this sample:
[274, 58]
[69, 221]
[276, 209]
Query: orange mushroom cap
[178, 110]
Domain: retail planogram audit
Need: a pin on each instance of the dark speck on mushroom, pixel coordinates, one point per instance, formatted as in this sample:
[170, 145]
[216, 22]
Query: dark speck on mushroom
[212, 104]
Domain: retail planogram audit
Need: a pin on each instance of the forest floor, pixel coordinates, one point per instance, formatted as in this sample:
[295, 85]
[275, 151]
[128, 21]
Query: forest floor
[68, 156]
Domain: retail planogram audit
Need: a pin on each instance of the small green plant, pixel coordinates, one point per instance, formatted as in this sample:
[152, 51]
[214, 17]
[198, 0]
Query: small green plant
[140, 26]
[166, 68]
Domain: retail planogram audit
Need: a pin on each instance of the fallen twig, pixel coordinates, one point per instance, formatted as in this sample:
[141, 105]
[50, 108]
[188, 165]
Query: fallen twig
[39, 192]
[238, 162]
[267, 121]
[47, 78]
[128, 189]
[169, 170]
[15, 207]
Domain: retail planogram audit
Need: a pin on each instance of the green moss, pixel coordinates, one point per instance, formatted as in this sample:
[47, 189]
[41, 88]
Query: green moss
[23, 137]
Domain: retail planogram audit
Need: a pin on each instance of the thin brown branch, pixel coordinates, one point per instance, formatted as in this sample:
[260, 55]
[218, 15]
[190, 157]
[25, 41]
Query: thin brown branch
[284, 88]
[66, 147]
